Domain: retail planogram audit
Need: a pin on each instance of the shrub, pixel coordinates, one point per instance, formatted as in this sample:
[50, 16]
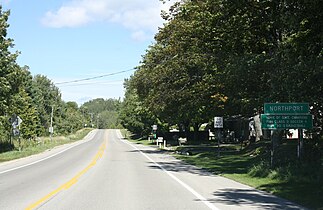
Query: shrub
[260, 170]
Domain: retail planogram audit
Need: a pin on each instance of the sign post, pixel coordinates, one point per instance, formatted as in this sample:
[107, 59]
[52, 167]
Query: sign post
[15, 122]
[154, 132]
[279, 116]
[218, 125]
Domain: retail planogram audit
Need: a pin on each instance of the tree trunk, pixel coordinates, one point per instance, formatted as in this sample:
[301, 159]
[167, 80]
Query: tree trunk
[196, 132]
[276, 137]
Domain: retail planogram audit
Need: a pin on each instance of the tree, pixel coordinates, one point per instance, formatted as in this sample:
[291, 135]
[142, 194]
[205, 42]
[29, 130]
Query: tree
[102, 112]
[46, 96]
[33, 99]
[9, 74]
[228, 58]
[175, 80]
[23, 107]
[133, 115]
[71, 119]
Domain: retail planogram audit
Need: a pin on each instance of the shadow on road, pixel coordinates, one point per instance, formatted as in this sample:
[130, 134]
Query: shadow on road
[171, 164]
[180, 167]
[251, 197]
[174, 165]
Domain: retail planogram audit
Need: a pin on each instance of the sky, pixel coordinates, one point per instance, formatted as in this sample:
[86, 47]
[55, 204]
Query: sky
[69, 40]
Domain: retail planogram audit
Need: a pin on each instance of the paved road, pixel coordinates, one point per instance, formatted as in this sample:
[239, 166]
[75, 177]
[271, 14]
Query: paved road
[103, 171]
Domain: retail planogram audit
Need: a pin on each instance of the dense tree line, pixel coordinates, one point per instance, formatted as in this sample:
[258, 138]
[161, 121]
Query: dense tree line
[221, 58]
[102, 113]
[38, 102]
[33, 98]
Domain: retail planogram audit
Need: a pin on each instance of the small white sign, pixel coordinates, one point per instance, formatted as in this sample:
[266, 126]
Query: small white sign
[218, 122]
[155, 127]
[19, 120]
[16, 132]
[51, 130]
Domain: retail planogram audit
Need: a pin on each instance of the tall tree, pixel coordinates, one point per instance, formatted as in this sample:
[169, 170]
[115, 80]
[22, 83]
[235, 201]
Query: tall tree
[102, 112]
[229, 57]
[8, 66]
[46, 96]
[134, 115]
[70, 120]
[9, 75]
[173, 75]
[22, 106]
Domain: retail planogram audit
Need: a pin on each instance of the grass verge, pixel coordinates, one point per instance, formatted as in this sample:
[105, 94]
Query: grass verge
[135, 139]
[43, 144]
[300, 183]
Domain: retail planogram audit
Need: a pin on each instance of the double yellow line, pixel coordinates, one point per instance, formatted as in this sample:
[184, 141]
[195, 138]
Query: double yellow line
[72, 181]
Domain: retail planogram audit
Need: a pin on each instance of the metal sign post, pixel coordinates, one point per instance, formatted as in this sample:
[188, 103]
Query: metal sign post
[51, 130]
[15, 122]
[154, 127]
[218, 125]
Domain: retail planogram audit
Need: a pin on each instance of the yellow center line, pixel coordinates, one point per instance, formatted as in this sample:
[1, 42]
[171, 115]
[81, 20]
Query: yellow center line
[71, 182]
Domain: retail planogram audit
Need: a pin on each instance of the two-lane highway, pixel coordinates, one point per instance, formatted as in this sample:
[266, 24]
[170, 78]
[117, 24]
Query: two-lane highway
[106, 172]
[25, 184]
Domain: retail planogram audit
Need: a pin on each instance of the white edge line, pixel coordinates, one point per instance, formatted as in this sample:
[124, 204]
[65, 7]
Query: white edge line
[32, 163]
[186, 186]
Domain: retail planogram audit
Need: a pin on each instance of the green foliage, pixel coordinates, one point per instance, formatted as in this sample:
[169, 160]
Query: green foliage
[23, 107]
[109, 119]
[219, 57]
[102, 113]
[297, 182]
[41, 145]
[69, 119]
[261, 169]
[99, 105]
[45, 96]
[36, 100]
[133, 115]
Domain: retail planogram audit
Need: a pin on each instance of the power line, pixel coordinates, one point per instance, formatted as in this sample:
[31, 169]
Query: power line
[96, 77]
[114, 82]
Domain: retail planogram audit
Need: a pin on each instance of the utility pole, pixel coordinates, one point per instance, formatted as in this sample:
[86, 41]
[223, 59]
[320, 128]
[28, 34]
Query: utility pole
[97, 121]
[51, 130]
[91, 120]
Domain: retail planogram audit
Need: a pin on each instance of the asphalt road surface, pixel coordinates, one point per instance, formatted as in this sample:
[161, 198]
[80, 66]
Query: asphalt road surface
[103, 171]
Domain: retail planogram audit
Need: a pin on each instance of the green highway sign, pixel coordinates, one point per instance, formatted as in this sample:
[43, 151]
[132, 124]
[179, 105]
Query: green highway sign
[269, 121]
[286, 108]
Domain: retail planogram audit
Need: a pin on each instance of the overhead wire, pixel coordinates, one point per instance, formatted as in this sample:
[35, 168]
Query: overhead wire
[114, 82]
[92, 78]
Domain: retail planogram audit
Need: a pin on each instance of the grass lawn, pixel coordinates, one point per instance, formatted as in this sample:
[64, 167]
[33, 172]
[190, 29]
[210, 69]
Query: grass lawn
[302, 184]
[31, 148]
[144, 142]
[136, 139]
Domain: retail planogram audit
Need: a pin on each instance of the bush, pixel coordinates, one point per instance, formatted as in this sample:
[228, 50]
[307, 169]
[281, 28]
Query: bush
[260, 170]
[6, 146]
[281, 173]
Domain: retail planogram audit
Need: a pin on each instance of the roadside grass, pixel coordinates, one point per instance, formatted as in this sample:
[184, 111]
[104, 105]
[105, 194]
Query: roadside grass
[29, 148]
[142, 141]
[135, 139]
[300, 183]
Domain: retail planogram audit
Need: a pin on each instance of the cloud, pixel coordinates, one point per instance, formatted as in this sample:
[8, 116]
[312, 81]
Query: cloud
[141, 17]
[5, 2]
[66, 17]
[139, 36]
